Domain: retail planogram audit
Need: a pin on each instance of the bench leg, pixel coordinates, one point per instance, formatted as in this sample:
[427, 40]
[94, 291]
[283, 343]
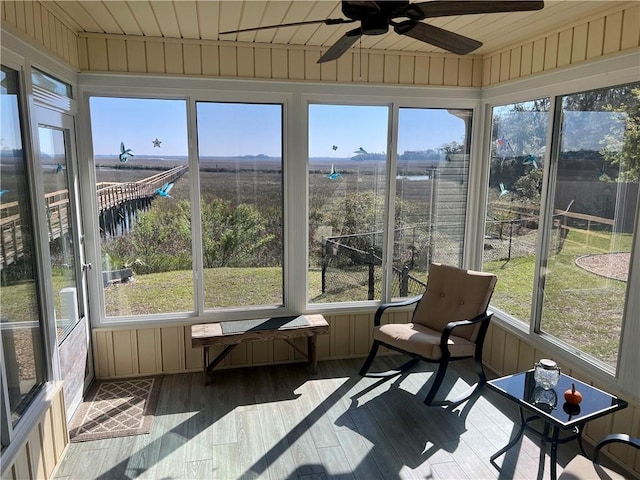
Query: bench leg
[208, 367]
[312, 353]
[205, 362]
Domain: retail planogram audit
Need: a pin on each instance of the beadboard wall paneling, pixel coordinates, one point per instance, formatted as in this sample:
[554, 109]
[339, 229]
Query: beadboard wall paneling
[43, 28]
[120, 353]
[612, 33]
[45, 445]
[127, 54]
[168, 349]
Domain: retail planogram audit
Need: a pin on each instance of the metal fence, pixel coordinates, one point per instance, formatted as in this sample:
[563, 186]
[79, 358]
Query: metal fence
[345, 266]
[510, 239]
[517, 238]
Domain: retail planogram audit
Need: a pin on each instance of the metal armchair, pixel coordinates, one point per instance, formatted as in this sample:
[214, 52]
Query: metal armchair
[581, 468]
[449, 323]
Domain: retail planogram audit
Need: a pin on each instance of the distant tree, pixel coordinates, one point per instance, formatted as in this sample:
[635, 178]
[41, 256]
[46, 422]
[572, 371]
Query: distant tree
[232, 236]
[160, 240]
[621, 146]
[452, 147]
[529, 186]
[428, 154]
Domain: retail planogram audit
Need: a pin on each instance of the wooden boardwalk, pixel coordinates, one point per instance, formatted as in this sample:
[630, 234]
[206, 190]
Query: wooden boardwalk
[110, 197]
[281, 422]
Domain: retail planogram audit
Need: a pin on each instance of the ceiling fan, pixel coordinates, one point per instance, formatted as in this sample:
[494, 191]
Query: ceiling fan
[376, 17]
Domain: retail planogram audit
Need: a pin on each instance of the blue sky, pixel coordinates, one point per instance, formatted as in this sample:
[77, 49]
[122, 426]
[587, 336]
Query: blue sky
[137, 123]
[248, 129]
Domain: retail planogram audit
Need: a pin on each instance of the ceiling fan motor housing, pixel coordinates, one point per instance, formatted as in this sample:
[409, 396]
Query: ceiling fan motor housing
[374, 16]
[376, 24]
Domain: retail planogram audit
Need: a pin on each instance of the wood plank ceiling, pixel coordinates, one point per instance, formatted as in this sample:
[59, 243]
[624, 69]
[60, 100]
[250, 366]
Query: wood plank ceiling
[204, 19]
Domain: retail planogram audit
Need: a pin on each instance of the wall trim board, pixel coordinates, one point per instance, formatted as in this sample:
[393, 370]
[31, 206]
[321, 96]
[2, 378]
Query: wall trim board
[127, 83]
[617, 68]
[265, 46]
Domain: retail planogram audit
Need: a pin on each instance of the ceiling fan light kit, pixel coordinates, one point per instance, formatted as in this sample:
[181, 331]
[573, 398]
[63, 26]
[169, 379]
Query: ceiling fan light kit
[376, 17]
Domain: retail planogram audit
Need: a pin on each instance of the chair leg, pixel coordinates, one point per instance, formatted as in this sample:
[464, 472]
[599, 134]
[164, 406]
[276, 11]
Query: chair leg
[370, 358]
[389, 373]
[437, 382]
[482, 377]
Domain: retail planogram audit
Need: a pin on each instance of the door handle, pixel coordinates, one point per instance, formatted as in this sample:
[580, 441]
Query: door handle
[86, 266]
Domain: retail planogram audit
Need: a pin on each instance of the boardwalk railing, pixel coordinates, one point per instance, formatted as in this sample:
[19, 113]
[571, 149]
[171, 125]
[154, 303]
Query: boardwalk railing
[111, 198]
[112, 195]
[11, 241]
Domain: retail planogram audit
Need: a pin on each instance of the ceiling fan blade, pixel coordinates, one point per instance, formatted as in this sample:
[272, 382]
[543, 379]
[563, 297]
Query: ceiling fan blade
[342, 45]
[450, 41]
[445, 8]
[326, 21]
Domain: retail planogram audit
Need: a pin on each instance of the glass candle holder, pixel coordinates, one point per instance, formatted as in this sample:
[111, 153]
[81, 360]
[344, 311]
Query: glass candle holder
[546, 374]
[545, 399]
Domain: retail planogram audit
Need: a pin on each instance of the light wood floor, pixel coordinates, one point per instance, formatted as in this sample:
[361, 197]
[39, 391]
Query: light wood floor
[281, 422]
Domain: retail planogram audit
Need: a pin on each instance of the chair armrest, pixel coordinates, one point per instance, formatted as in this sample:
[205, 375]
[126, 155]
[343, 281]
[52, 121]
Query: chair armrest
[448, 330]
[403, 303]
[614, 438]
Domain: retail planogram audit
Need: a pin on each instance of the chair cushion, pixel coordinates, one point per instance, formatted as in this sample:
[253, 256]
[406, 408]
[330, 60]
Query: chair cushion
[454, 294]
[582, 468]
[416, 338]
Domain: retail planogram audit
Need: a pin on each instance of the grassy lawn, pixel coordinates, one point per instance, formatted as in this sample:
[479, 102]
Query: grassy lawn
[580, 307]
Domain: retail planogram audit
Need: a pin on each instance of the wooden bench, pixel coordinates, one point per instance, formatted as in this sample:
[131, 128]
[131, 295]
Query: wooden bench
[232, 333]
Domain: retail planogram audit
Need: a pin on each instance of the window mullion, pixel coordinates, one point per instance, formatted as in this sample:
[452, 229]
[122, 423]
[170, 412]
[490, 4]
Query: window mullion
[629, 356]
[546, 210]
[390, 203]
[6, 429]
[196, 210]
[295, 212]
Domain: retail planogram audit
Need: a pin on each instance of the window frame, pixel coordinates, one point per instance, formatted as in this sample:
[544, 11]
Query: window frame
[199, 286]
[23, 58]
[601, 73]
[433, 98]
[618, 69]
[606, 73]
[295, 98]
[389, 201]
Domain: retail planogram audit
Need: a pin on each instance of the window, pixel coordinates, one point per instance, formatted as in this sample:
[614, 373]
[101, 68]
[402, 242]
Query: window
[584, 234]
[595, 197]
[50, 83]
[431, 194]
[241, 188]
[518, 138]
[55, 164]
[23, 359]
[144, 208]
[347, 185]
